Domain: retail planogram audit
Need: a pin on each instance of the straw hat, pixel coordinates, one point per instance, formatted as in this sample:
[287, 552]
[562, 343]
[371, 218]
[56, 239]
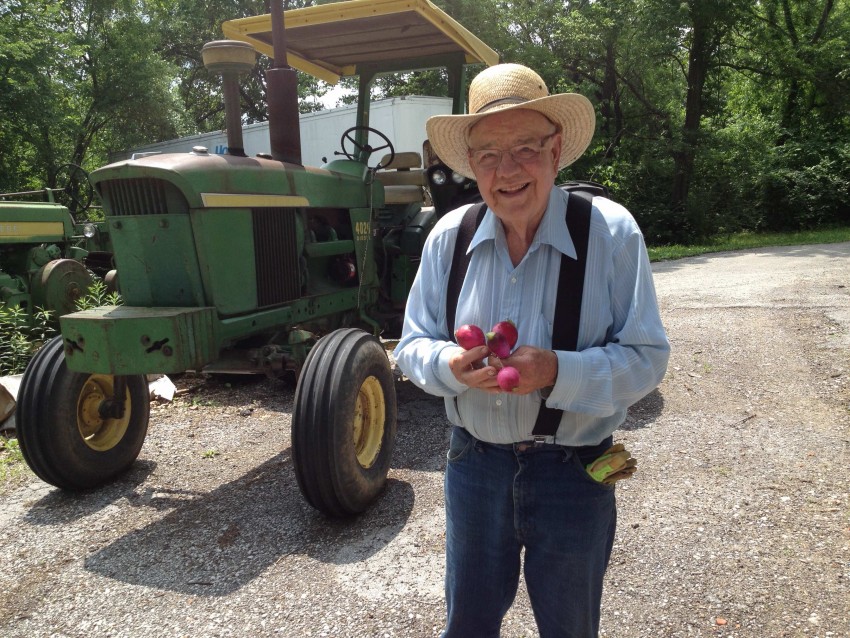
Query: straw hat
[512, 86]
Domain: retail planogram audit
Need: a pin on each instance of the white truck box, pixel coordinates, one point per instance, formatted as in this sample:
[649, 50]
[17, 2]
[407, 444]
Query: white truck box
[402, 119]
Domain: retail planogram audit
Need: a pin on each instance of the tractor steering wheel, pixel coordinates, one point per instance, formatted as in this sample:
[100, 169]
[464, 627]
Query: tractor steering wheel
[74, 190]
[362, 152]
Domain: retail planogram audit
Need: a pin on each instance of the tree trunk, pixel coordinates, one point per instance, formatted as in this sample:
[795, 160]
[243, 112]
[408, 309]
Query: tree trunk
[610, 107]
[699, 60]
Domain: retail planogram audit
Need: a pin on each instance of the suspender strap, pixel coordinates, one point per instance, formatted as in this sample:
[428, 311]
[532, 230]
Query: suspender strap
[568, 301]
[460, 260]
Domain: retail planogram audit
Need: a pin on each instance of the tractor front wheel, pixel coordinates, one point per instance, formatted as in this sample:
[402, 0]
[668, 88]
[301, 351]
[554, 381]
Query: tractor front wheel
[344, 423]
[74, 429]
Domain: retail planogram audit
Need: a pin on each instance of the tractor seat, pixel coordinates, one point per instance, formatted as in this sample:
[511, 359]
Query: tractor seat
[403, 180]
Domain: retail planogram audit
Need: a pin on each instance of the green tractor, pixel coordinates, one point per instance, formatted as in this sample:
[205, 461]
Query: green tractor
[49, 254]
[239, 264]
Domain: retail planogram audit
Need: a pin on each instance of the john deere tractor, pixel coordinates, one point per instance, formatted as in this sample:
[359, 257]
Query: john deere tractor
[230, 263]
[49, 253]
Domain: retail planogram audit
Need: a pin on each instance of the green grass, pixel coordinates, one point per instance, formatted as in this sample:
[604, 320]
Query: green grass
[742, 241]
[11, 459]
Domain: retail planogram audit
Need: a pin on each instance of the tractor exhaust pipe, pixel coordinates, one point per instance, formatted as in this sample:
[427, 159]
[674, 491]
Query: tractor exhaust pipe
[230, 58]
[282, 96]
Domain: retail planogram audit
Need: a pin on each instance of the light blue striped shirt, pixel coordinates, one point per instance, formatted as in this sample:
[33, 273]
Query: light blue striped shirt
[623, 349]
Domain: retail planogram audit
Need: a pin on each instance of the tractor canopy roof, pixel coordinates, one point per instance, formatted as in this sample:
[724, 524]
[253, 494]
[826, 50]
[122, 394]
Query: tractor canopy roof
[342, 39]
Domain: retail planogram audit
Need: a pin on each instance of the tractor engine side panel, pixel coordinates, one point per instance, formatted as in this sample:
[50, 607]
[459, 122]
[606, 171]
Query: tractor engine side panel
[225, 253]
[249, 257]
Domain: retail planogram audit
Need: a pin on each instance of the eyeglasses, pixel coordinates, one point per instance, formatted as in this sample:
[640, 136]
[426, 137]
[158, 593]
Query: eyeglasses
[488, 159]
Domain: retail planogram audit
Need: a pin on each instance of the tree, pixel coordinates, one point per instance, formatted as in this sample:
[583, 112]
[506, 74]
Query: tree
[28, 46]
[786, 125]
[186, 26]
[712, 115]
[79, 73]
[708, 23]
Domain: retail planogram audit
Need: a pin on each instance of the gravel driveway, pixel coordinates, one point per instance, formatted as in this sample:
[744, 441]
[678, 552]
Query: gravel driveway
[736, 524]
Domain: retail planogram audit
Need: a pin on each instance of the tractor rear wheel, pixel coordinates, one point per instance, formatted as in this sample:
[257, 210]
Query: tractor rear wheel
[344, 423]
[66, 435]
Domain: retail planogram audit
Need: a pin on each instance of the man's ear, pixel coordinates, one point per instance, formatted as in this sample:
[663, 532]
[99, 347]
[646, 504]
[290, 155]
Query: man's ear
[556, 150]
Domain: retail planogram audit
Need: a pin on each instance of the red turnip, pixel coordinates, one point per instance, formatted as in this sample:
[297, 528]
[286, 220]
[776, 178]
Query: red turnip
[508, 378]
[507, 329]
[498, 344]
[469, 336]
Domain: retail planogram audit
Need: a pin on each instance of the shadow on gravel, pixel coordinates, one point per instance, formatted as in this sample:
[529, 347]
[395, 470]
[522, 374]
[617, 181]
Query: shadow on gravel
[60, 507]
[423, 430]
[216, 543]
[643, 413]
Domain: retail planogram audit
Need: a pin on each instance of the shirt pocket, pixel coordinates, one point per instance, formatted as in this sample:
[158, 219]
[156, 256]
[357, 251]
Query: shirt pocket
[540, 335]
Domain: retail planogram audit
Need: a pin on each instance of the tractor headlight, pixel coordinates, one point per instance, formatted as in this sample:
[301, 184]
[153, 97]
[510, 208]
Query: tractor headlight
[438, 177]
[89, 230]
[457, 178]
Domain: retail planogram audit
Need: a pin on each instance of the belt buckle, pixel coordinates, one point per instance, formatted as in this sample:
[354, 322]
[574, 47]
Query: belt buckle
[538, 439]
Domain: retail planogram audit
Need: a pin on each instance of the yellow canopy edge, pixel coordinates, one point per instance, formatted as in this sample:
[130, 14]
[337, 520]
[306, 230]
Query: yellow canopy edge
[329, 41]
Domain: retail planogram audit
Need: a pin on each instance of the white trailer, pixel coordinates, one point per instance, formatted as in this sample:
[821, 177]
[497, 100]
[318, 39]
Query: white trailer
[402, 119]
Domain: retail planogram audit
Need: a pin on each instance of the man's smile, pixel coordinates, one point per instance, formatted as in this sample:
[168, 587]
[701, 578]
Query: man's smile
[510, 190]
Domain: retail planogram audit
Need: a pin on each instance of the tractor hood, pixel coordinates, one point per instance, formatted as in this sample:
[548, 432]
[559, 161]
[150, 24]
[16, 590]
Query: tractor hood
[207, 180]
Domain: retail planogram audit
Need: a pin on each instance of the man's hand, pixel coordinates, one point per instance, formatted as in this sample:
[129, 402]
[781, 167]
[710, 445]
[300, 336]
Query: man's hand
[615, 463]
[469, 368]
[537, 368]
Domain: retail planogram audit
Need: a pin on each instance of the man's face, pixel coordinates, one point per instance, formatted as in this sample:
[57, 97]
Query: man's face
[517, 191]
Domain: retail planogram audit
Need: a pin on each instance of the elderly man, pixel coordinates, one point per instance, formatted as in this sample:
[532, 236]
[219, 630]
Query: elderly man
[507, 489]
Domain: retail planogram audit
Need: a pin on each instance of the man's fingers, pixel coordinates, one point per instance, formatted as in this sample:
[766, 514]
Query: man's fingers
[471, 357]
[469, 368]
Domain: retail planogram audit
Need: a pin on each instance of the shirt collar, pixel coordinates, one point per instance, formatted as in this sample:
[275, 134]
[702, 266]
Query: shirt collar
[552, 229]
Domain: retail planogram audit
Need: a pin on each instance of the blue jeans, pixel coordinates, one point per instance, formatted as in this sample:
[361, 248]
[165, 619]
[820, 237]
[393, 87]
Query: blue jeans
[503, 498]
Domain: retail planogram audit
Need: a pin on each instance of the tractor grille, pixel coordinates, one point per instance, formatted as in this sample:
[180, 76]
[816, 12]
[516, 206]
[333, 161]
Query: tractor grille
[276, 255]
[142, 196]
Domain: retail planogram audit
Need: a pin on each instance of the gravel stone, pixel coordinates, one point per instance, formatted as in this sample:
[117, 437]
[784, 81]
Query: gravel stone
[737, 523]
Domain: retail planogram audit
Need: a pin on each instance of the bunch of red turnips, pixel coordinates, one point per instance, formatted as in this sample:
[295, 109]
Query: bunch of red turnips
[500, 340]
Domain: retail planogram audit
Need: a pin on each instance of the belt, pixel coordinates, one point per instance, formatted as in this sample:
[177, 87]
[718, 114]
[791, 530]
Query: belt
[537, 443]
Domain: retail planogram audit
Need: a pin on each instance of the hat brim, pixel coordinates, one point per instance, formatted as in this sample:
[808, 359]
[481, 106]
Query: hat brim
[573, 112]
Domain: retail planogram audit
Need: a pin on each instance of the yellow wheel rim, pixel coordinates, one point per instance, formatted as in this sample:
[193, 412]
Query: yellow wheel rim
[369, 416]
[99, 433]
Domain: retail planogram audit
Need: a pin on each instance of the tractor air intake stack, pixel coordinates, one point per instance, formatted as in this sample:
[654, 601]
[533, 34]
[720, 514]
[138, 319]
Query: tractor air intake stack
[282, 96]
[230, 58]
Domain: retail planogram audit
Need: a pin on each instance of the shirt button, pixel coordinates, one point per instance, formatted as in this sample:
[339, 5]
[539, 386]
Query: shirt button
[498, 402]
[513, 280]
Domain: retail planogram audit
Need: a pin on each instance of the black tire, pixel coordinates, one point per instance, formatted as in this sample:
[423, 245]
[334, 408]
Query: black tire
[62, 436]
[344, 423]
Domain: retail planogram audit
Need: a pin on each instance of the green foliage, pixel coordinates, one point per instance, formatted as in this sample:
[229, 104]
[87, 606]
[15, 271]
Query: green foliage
[808, 185]
[77, 79]
[21, 336]
[713, 116]
[11, 458]
[432, 82]
[97, 295]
